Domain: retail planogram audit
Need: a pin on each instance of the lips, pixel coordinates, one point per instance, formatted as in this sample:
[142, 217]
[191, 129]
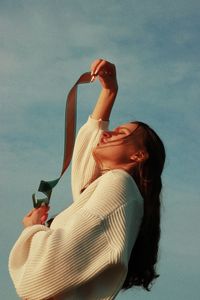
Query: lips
[102, 140]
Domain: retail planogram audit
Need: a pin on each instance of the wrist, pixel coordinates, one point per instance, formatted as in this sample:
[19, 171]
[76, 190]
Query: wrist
[110, 91]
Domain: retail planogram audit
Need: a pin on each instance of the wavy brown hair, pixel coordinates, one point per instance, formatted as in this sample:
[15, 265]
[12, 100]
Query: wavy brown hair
[147, 175]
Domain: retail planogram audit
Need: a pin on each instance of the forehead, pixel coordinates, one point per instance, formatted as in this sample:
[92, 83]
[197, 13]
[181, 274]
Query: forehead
[130, 126]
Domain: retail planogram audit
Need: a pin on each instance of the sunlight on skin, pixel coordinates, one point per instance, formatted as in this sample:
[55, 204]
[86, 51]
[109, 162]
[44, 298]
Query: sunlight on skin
[117, 134]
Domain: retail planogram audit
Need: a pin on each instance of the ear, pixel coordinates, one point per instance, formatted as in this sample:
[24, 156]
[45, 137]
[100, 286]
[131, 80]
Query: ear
[139, 156]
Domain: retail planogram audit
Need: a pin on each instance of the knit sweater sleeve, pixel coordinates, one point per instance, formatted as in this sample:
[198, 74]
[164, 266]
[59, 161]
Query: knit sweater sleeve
[93, 243]
[84, 167]
[45, 262]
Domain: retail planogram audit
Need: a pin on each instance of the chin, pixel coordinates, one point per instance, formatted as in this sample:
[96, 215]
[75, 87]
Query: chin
[94, 154]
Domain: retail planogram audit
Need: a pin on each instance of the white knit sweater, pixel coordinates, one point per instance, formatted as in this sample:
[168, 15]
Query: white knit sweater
[84, 254]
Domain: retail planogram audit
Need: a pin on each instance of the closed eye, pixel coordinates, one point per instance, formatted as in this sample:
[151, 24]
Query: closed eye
[122, 130]
[119, 131]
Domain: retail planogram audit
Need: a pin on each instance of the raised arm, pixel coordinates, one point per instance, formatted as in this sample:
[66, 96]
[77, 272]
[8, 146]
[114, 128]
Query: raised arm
[106, 73]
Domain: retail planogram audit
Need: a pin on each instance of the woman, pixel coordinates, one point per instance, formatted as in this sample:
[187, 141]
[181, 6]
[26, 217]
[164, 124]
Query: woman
[107, 240]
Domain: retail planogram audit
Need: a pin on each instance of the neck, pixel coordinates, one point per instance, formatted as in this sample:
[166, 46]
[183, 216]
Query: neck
[107, 167]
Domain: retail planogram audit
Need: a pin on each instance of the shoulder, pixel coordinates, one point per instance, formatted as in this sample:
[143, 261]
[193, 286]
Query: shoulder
[121, 180]
[115, 189]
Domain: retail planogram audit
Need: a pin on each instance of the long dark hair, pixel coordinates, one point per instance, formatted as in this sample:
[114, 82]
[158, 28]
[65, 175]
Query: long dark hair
[147, 175]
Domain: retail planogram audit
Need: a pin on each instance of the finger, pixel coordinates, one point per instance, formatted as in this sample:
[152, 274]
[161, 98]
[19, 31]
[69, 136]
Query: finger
[105, 69]
[41, 212]
[94, 65]
[44, 218]
[100, 67]
[30, 212]
[44, 207]
[38, 213]
[96, 72]
[104, 73]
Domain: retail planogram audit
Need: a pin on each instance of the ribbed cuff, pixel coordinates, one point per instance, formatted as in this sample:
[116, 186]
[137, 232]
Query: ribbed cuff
[100, 124]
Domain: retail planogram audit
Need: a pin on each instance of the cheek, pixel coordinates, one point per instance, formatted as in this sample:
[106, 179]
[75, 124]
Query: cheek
[102, 152]
[97, 153]
[110, 153]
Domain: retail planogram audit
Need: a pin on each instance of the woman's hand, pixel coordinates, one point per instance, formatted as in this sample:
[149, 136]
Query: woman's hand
[106, 73]
[36, 216]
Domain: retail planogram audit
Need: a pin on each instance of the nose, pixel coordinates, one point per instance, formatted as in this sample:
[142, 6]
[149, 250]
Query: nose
[107, 134]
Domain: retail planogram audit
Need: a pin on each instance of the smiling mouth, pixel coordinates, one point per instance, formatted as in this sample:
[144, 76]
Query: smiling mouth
[101, 142]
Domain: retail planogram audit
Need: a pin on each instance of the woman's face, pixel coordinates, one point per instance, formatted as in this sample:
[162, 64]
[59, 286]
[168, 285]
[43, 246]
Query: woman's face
[116, 147]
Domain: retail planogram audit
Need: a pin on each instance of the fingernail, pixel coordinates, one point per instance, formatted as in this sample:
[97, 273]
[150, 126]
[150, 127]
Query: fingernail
[92, 79]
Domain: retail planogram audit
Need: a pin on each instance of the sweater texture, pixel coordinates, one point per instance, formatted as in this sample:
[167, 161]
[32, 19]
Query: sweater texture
[84, 254]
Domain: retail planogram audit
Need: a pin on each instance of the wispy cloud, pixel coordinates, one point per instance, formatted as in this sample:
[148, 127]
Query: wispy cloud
[46, 45]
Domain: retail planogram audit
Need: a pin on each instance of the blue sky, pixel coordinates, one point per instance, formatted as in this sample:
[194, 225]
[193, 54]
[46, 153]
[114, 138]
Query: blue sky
[44, 46]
